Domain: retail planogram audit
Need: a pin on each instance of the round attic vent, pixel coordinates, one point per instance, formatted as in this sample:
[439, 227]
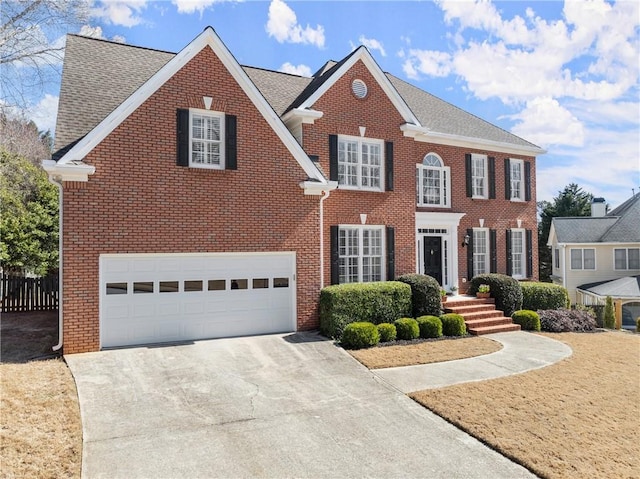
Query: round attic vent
[359, 88]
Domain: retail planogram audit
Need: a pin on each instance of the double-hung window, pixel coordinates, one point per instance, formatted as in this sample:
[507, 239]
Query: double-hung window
[517, 179]
[626, 258]
[361, 254]
[479, 176]
[583, 258]
[432, 183]
[480, 251]
[206, 139]
[360, 163]
[518, 249]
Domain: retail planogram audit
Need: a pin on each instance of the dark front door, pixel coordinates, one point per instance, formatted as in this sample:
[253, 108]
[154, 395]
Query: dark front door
[433, 257]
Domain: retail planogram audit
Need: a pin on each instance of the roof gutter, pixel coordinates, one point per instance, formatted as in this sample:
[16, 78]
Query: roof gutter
[58, 184]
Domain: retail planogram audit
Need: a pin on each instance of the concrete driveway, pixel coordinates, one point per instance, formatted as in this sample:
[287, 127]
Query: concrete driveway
[267, 406]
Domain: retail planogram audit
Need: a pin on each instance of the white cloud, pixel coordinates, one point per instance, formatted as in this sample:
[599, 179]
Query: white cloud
[44, 113]
[96, 32]
[284, 27]
[427, 62]
[546, 123]
[191, 6]
[372, 44]
[119, 12]
[301, 70]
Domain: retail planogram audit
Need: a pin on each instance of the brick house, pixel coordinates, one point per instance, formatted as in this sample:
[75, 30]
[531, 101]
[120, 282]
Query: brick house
[202, 198]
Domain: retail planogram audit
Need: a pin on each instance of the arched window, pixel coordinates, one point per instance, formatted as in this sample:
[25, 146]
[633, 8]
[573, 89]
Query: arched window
[432, 182]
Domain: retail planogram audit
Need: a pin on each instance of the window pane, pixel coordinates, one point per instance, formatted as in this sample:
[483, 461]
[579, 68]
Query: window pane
[634, 258]
[116, 288]
[217, 285]
[620, 256]
[479, 252]
[280, 282]
[576, 259]
[589, 258]
[260, 283]
[168, 286]
[239, 284]
[143, 287]
[193, 285]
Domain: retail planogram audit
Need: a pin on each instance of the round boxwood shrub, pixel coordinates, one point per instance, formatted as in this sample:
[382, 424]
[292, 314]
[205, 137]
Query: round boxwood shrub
[360, 335]
[453, 325]
[407, 328]
[527, 319]
[506, 291]
[387, 332]
[430, 326]
[425, 294]
[543, 296]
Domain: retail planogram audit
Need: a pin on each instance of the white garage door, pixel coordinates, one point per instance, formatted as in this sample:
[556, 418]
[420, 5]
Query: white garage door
[153, 298]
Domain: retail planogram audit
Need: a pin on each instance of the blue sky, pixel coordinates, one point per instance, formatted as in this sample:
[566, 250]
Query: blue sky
[561, 75]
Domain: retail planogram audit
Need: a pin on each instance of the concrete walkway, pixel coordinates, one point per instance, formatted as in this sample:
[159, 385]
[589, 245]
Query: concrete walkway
[521, 352]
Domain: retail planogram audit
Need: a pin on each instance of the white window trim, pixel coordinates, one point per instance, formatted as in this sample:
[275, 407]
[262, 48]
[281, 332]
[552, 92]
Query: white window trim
[487, 253]
[485, 189]
[520, 198]
[445, 197]
[522, 231]
[582, 268]
[383, 246]
[626, 268]
[360, 141]
[212, 114]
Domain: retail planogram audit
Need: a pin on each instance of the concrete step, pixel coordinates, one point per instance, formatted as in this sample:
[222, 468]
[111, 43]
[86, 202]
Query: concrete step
[501, 328]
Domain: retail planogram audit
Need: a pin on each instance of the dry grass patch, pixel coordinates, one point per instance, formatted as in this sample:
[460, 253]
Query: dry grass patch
[40, 428]
[425, 352]
[577, 418]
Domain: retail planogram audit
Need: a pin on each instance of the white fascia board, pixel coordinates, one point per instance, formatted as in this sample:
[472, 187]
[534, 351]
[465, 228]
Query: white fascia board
[552, 235]
[314, 188]
[68, 171]
[303, 115]
[424, 135]
[207, 38]
[363, 54]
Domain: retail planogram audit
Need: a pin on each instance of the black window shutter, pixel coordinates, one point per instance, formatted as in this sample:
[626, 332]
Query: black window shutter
[467, 162]
[509, 259]
[388, 165]
[493, 252]
[527, 181]
[391, 253]
[529, 235]
[182, 158]
[333, 157]
[507, 179]
[470, 255]
[335, 256]
[492, 177]
[231, 143]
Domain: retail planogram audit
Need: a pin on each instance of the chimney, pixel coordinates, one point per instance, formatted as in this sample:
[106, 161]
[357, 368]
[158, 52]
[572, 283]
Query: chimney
[598, 207]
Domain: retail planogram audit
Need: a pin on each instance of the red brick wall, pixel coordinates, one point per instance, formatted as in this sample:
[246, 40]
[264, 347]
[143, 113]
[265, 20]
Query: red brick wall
[139, 201]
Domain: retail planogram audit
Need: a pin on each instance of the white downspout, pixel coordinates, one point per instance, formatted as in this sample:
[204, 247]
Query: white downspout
[325, 195]
[59, 185]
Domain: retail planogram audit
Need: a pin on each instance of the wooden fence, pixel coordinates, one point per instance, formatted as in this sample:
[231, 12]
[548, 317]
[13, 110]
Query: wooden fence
[29, 294]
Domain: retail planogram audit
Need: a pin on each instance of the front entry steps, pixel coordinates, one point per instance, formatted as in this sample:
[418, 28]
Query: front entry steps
[480, 315]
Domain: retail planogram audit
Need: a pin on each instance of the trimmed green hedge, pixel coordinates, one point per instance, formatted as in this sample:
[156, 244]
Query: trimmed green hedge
[453, 325]
[504, 289]
[377, 302]
[425, 294]
[360, 335]
[387, 332]
[430, 326]
[407, 328]
[543, 296]
[528, 320]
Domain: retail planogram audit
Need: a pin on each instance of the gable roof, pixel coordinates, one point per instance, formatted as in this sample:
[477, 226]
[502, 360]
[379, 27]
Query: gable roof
[208, 38]
[627, 287]
[619, 226]
[99, 75]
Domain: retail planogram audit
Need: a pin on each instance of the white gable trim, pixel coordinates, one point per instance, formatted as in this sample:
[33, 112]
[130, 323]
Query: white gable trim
[207, 38]
[363, 54]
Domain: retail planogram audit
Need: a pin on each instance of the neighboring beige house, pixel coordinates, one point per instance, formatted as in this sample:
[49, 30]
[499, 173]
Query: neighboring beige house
[592, 251]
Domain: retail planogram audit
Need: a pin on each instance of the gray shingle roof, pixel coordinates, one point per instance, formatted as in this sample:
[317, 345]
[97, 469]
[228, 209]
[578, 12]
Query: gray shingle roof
[99, 75]
[622, 225]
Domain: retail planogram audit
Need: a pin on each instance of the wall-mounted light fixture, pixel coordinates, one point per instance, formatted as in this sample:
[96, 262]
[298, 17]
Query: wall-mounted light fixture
[465, 241]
